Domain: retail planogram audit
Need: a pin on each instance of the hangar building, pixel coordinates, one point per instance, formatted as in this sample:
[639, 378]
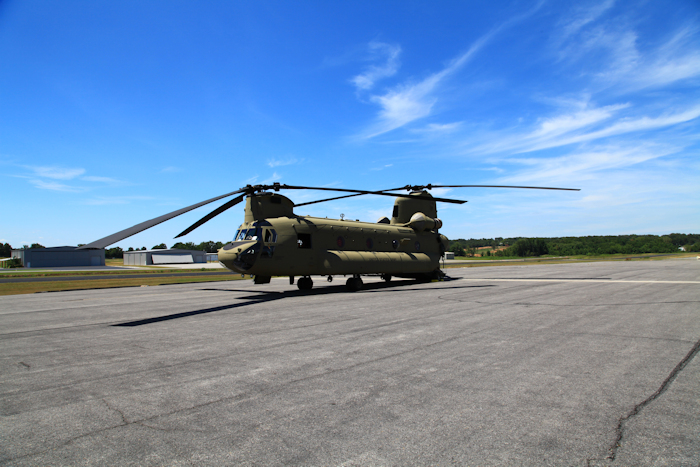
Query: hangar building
[172, 256]
[60, 256]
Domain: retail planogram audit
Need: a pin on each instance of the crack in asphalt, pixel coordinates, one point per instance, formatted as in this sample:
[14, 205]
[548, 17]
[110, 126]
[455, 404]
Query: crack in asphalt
[124, 420]
[622, 423]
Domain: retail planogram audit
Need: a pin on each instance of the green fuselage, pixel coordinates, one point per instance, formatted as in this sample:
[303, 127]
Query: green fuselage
[304, 246]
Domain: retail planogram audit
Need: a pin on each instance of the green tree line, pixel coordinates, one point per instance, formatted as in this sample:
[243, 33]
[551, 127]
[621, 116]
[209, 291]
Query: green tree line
[590, 245]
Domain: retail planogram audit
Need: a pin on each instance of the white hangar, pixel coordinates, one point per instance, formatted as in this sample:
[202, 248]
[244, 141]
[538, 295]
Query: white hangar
[155, 257]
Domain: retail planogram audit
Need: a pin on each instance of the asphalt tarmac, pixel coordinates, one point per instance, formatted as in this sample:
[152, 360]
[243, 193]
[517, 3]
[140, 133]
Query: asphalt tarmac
[574, 364]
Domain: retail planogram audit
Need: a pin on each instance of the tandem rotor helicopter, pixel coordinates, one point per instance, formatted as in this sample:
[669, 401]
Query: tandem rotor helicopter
[274, 241]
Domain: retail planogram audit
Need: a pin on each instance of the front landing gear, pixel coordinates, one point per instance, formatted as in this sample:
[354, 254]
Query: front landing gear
[354, 283]
[305, 283]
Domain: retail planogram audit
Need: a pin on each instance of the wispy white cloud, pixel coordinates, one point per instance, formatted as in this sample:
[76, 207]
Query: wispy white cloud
[281, 162]
[438, 128]
[582, 16]
[45, 178]
[676, 60]
[107, 180]
[585, 125]
[171, 169]
[612, 54]
[585, 164]
[623, 126]
[409, 102]
[56, 173]
[55, 186]
[379, 51]
[275, 177]
[441, 192]
[107, 200]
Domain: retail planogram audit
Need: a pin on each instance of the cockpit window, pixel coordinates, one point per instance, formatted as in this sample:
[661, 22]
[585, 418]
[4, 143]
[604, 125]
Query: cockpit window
[255, 233]
[252, 234]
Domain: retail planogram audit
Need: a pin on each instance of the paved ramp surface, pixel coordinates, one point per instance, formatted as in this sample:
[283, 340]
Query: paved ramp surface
[577, 364]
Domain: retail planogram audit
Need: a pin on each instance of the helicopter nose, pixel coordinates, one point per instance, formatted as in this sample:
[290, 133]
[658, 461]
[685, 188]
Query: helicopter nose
[240, 256]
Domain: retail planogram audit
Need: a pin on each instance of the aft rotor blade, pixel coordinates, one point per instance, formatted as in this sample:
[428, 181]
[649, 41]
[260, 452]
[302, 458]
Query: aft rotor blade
[491, 186]
[121, 235]
[212, 214]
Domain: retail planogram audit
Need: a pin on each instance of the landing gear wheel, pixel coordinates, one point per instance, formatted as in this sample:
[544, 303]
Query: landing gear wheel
[354, 284]
[386, 277]
[305, 283]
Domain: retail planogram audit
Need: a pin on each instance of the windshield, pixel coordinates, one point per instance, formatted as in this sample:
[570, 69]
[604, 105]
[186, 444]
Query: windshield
[252, 234]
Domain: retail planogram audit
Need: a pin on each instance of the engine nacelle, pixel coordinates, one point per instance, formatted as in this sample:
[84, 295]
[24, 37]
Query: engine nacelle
[420, 222]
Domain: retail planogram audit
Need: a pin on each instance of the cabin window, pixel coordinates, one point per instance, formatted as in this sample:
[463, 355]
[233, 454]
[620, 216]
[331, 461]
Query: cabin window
[270, 236]
[304, 240]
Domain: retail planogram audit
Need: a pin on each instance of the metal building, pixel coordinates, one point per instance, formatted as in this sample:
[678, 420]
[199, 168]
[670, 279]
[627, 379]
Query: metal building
[172, 256]
[60, 256]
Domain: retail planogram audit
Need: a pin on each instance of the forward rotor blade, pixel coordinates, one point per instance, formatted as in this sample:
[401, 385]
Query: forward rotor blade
[212, 214]
[364, 192]
[341, 197]
[327, 199]
[121, 235]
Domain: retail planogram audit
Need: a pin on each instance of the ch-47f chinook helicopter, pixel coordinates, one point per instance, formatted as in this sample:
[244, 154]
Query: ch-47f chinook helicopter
[274, 241]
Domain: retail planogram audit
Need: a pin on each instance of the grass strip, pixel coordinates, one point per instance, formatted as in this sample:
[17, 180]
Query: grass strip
[615, 257]
[121, 272]
[57, 286]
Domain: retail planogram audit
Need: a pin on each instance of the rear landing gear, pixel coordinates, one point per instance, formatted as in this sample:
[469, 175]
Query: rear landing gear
[386, 277]
[354, 284]
[305, 283]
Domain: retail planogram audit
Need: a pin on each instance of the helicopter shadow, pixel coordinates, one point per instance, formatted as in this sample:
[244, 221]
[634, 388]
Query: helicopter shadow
[269, 296]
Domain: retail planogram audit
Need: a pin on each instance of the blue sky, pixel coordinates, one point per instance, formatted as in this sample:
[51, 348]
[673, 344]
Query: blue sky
[112, 113]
